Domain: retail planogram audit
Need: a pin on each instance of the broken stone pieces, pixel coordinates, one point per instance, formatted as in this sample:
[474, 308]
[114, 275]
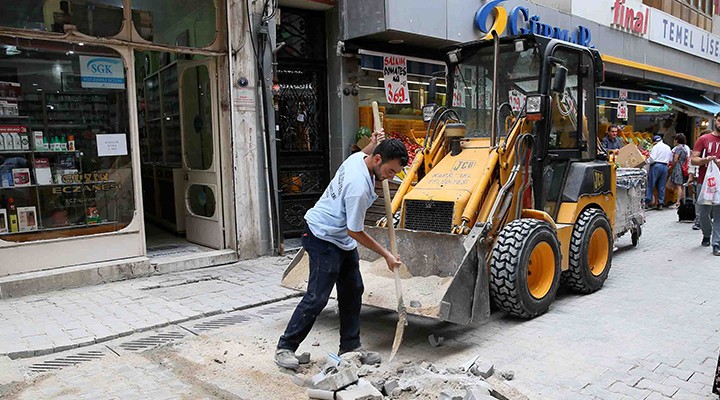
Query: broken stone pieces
[303, 358]
[507, 375]
[451, 395]
[390, 385]
[478, 392]
[482, 368]
[363, 390]
[336, 378]
[321, 394]
[435, 341]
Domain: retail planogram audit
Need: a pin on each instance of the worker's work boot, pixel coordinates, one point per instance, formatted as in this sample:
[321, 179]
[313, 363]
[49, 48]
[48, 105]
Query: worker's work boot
[706, 241]
[286, 359]
[366, 357]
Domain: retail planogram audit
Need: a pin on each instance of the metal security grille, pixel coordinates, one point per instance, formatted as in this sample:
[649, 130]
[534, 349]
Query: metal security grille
[303, 170]
[423, 215]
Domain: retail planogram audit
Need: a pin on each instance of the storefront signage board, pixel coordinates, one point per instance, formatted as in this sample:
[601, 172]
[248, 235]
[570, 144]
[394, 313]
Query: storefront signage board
[114, 144]
[102, 73]
[395, 73]
[680, 35]
[629, 16]
[493, 16]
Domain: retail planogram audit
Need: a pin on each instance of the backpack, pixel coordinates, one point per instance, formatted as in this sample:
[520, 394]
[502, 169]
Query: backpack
[686, 211]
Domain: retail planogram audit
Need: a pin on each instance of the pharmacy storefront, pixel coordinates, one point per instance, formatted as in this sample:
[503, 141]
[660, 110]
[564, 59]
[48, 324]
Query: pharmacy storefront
[111, 134]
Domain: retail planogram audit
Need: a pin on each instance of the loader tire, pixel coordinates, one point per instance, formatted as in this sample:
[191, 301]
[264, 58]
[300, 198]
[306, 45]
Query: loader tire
[590, 257]
[525, 268]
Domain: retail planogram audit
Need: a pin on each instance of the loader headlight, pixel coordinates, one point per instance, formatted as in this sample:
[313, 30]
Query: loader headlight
[533, 104]
[533, 108]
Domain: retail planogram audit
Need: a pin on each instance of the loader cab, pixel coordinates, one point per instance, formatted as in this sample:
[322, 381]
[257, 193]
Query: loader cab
[551, 83]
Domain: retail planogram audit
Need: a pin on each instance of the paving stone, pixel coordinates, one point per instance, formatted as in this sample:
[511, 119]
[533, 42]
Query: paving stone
[622, 388]
[680, 373]
[665, 390]
[691, 387]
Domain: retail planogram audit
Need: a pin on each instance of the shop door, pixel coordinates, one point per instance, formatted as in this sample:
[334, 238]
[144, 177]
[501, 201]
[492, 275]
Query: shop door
[201, 155]
[301, 115]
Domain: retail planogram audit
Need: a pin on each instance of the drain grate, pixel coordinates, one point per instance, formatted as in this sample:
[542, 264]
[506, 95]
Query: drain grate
[276, 309]
[66, 361]
[152, 341]
[165, 253]
[221, 322]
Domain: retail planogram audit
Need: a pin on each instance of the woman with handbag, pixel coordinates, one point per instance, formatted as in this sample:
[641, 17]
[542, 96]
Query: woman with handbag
[678, 168]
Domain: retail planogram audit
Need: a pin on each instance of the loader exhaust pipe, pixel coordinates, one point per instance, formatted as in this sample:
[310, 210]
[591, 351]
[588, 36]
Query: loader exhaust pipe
[493, 131]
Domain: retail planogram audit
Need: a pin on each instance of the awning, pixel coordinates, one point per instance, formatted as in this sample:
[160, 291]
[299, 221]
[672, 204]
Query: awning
[701, 104]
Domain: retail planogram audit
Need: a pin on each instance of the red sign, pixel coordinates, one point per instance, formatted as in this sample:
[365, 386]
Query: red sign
[13, 129]
[395, 73]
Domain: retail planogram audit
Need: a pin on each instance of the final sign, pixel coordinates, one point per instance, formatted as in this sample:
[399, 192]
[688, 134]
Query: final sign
[396, 86]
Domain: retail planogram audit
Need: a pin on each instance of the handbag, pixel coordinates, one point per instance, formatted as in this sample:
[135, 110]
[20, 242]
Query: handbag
[709, 193]
[686, 167]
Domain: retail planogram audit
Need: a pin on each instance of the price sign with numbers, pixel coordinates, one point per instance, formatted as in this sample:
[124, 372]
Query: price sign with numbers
[622, 110]
[396, 85]
[517, 100]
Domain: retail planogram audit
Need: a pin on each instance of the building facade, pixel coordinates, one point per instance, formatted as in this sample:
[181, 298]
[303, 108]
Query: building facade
[132, 130]
[132, 134]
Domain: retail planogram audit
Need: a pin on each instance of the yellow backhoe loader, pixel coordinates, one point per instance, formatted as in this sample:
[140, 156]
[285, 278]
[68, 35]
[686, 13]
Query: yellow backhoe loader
[512, 194]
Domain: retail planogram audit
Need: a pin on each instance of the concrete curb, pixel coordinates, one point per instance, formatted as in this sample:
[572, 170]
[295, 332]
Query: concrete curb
[19, 285]
[76, 276]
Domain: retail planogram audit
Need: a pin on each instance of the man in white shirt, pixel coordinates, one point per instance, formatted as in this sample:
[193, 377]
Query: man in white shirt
[660, 157]
[334, 227]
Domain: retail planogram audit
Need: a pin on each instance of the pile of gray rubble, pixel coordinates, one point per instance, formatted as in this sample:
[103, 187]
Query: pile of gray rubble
[345, 378]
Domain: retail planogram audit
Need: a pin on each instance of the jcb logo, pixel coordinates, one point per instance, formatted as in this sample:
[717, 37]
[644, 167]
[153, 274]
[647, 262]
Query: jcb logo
[460, 165]
[598, 180]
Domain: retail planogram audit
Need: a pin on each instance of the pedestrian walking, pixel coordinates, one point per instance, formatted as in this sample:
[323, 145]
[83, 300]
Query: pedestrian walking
[705, 151]
[693, 171]
[676, 174]
[660, 157]
[334, 227]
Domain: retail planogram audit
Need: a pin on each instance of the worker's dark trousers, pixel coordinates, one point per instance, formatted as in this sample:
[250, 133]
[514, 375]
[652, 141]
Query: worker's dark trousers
[329, 265]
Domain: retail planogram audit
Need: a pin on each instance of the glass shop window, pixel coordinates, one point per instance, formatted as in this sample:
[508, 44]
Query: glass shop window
[172, 22]
[101, 18]
[398, 119]
[65, 165]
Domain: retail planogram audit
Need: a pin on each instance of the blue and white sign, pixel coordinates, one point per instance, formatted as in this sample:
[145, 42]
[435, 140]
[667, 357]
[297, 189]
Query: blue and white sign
[102, 72]
[519, 21]
[680, 35]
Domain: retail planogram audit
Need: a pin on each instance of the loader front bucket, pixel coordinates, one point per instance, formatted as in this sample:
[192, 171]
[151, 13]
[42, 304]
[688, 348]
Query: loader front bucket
[444, 281]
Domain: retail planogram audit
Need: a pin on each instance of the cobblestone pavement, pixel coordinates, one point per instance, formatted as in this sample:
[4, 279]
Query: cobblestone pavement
[651, 333]
[57, 321]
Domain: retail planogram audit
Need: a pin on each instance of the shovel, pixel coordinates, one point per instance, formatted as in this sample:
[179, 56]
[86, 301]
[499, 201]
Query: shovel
[402, 313]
